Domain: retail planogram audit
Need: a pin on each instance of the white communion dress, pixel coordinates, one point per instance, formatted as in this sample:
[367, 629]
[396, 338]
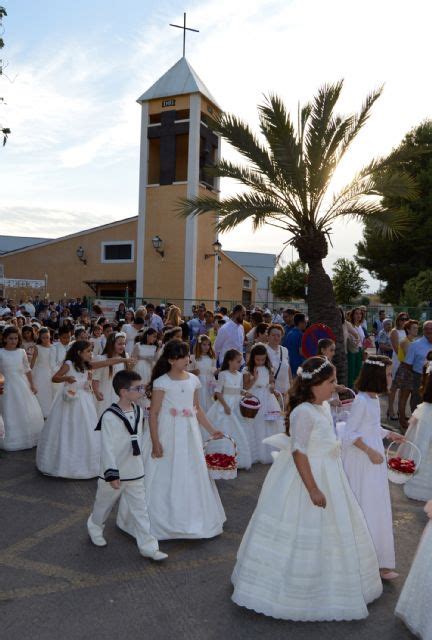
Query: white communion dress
[69, 446]
[57, 357]
[230, 386]
[414, 604]
[419, 487]
[22, 415]
[298, 561]
[261, 427]
[105, 378]
[207, 368]
[146, 357]
[369, 481]
[182, 500]
[42, 374]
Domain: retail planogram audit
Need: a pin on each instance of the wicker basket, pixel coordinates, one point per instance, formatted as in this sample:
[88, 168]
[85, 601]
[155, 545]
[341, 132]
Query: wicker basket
[217, 472]
[246, 410]
[276, 415]
[399, 477]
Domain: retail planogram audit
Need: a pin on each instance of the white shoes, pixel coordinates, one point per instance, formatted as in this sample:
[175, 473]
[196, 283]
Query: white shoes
[157, 555]
[95, 533]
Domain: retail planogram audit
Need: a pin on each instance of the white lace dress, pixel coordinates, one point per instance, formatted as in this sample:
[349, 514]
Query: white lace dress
[414, 604]
[207, 368]
[298, 561]
[420, 433]
[42, 374]
[22, 415]
[69, 446]
[230, 386]
[260, 426]
[146, 357]
[368, 481]
[182, 500]
[105, 377]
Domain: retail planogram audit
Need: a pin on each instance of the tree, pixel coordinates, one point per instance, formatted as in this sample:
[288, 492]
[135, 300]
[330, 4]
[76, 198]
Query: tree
[290, 281]
[347, 279]
[400, 260]
[287, 177]
[418, 290]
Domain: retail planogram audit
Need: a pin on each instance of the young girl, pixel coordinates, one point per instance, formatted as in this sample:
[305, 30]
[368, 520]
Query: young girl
[182, 500]
[419, 487]
[144, 353]
[103, 376]
[69, 446]
[225, 412]
[58, 353]
[413, 606]
[42, 372]
[22, 415]
[364, 458]
[307, 554]
[259, 381]
[29, 343]
[203, 365]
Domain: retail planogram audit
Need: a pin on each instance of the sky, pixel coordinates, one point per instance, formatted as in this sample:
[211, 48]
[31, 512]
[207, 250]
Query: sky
[73, 72]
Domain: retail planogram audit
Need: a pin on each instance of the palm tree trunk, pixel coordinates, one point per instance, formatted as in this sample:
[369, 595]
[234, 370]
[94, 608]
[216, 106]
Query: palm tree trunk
[322, 307]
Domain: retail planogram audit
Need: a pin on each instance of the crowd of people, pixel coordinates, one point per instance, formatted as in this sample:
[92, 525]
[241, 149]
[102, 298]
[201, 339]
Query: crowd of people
[133, 399]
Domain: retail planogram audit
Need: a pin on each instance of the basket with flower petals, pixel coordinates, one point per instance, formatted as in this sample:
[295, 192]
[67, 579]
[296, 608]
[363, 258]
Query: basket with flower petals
[401, 469]
[249, 406]
[221, 466]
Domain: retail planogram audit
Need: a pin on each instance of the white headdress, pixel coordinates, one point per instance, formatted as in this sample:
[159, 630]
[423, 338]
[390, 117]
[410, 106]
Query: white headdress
[377, 363]
[308, 375]
[120, 334]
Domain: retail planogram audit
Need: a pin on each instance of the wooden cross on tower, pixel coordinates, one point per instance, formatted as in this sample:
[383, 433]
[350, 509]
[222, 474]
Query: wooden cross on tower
[185, 28]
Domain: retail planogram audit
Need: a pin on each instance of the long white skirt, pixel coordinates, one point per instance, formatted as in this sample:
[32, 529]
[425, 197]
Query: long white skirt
[234, 426]
[260, 428]
[300, 562]
[22, 415]
[69, 446]
[420, 485]
[414, 604]
[45, 392]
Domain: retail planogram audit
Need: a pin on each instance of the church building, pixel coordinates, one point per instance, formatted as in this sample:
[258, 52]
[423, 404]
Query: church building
[157, 255]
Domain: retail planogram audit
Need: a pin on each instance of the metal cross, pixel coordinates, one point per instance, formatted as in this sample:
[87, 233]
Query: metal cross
[185, 28]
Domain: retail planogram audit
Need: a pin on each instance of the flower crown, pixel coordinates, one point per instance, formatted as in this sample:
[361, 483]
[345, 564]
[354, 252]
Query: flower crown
[377, 363]
[120, 334]
[308, 375]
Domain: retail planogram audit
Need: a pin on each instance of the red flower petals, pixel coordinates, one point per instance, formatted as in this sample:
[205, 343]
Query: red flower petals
[221, 461]
[403, 465]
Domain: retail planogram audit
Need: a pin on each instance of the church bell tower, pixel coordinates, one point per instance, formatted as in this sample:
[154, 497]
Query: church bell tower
[175, 258]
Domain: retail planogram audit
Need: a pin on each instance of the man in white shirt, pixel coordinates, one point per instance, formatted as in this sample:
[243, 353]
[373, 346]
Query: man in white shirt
[231, 335]
[153, 320]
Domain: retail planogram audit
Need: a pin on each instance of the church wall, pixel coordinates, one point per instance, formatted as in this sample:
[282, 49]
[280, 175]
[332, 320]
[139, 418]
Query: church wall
[205, 268]
[66, 274]
[181, 102]
[231, 281]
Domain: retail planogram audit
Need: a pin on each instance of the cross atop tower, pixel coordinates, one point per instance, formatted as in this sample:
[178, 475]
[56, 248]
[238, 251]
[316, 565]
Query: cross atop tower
[185, 28]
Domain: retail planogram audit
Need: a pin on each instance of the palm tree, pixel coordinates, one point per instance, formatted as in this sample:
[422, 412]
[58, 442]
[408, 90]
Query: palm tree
[287, 175]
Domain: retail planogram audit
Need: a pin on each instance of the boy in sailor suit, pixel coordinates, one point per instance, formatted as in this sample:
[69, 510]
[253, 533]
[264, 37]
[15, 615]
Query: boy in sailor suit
[122, 468]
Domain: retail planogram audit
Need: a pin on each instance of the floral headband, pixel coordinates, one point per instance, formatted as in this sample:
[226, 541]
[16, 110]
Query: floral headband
[308, 375]
[120, 334]
[377, 363]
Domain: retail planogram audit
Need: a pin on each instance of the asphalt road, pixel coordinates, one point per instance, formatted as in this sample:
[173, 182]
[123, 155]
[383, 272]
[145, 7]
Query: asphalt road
[54, 584]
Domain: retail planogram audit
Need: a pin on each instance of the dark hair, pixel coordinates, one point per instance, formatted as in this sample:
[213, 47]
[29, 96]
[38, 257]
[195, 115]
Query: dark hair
[290, 311]
[109, 349]
[299, 317]
[73, 354]
[173, 350]
[107, 325]
[324, 343]
[261, 328]
[28, 327]
[407, 325]
[228, 357]
[373, 377]
[123, 380]
[41, 333]
[148, 332]
[238, 307]
[170, 333]
[258, 350]
[197, 348]
[302, 388]
[138, 320]
[79, 330]
[223, 310]
[64, 329]
[256, 316]
[9, 331]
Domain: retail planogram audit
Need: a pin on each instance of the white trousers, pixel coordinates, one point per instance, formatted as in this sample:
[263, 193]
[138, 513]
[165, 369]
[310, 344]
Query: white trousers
[133, 492]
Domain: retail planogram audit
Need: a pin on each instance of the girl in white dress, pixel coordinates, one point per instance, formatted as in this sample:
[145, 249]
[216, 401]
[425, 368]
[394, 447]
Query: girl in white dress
[22, 415]
[103, 376]
[144, 352]
[307, 553]
[258, 379]
[203, 365]
[69, 446]
[225, 412]
[364, 458]
[58, 353]
[29, 343]
[182, 500]
[419, 487]
[414, 604]
[42, 371]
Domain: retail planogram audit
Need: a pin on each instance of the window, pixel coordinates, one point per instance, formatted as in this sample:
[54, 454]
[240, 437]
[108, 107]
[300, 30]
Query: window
[247, 283]
[117, 251]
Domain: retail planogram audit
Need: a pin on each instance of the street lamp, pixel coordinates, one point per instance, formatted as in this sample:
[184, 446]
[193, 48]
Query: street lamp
[157, 243]
[217, 248]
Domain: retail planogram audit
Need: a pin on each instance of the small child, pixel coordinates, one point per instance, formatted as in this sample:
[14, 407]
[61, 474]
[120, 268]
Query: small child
[307, 553]
[103, 376]
[42, 371]
[203, 365]
[258, 379]
[225, 412]
[144, 352]
[58, 353]
[414, 604]
[122, 467]
[419, 487]
[364, 458]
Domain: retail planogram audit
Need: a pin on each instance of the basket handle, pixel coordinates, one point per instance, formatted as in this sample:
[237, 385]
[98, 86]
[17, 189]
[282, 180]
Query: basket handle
[279, 398]
[399, 444]
[228, 437]
[249, 396]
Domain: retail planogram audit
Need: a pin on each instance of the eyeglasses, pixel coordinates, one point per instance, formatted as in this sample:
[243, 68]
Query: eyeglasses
[139, 388]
